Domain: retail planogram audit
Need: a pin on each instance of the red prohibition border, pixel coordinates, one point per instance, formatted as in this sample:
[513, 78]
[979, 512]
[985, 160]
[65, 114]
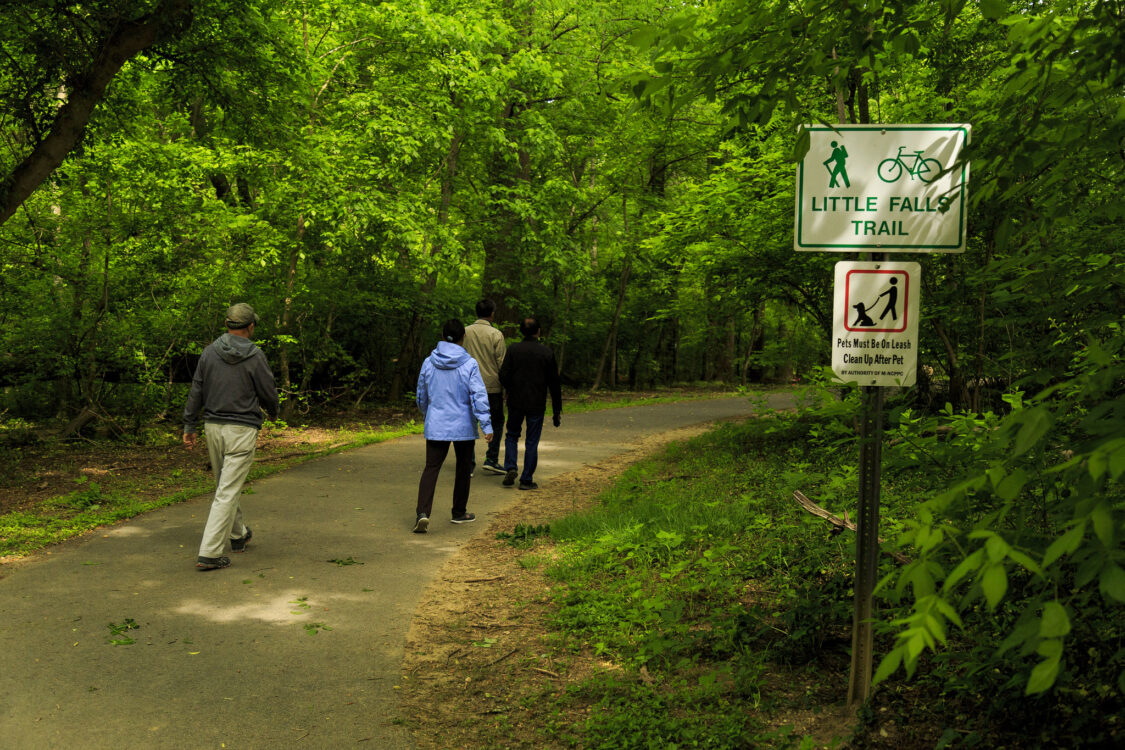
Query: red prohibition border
[905, 298]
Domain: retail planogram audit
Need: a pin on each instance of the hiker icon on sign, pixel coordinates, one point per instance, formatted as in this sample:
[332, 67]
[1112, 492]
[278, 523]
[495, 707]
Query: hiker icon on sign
[839, 170]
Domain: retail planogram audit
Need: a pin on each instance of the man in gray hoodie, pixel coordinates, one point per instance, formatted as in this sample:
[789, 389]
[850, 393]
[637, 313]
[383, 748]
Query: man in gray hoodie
[232, 385]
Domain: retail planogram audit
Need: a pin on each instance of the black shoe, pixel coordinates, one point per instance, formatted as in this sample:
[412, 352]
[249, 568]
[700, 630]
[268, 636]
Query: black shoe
[239, 545]
[509, 478]
[211, 563]
[528, 486]
[464, 518]
[492, 467]
[421, 523]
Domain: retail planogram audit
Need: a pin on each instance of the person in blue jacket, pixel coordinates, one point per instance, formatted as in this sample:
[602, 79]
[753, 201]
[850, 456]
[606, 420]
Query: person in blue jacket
[452, 396]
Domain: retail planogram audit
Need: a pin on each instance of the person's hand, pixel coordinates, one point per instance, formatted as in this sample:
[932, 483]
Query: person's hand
[488, 437]
[189, 440]
[557, 420]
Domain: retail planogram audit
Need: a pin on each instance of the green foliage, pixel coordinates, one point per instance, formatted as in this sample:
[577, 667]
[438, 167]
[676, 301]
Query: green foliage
[700, 560]
[116, 632]
[637, 715]
[523, 535]
[1028, 530]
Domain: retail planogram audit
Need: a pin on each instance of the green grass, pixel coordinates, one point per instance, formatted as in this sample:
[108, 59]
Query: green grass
[698, 575]
[613, 400]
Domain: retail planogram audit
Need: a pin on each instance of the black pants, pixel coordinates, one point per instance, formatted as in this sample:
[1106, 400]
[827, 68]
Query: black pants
[436, 451]
[496, 411]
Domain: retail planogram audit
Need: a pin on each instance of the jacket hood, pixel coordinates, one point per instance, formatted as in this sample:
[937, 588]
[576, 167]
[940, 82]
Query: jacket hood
[234, 349]
[449, 356]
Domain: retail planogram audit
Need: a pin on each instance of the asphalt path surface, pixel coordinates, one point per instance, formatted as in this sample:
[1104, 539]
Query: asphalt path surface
[299, 643]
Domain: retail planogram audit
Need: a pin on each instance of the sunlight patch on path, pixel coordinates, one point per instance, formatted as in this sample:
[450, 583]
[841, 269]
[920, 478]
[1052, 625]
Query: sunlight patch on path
[281, 609]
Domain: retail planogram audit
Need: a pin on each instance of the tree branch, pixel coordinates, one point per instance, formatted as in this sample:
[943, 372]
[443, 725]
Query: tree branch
[127, 40]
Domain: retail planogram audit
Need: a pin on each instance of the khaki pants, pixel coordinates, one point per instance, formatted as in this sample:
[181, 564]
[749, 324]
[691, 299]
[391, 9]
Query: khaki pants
[231, 447]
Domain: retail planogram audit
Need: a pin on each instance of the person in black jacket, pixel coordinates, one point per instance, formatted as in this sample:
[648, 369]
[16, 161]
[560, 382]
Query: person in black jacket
[232, 385]
[528, 372]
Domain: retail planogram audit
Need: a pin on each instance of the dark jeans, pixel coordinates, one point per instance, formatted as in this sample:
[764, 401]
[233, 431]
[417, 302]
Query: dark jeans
[516, 418]
[436, 451]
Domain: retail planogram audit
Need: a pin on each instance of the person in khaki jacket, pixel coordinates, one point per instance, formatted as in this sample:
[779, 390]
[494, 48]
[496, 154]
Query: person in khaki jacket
[485, 344]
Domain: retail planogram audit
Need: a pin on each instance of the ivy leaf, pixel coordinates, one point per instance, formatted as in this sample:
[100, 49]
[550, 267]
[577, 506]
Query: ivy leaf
[967, 565]
[1036, 422]
[1097, 464]
[1103, 523]
[801, 147]
[1055, 622]
[994, 583]
[1065, 544]
[1011, 485]
[888, 665]
[1116, 458]
[997, 548]
[993, 10]
[1112, 583]
[1043, 676]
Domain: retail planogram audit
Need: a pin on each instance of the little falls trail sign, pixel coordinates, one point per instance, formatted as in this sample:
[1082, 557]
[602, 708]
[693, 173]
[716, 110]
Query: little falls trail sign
[878, 189]
[883, 188]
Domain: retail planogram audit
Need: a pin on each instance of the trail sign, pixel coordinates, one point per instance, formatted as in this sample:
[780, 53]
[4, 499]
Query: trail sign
[875, 323]
[883, 188]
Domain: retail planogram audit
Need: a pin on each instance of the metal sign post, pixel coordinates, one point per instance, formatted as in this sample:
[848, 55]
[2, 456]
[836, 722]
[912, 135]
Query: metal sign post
[866, 542]
[875, 344]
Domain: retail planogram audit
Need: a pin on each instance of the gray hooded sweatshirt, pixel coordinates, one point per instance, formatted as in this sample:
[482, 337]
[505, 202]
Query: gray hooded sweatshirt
[232, 384]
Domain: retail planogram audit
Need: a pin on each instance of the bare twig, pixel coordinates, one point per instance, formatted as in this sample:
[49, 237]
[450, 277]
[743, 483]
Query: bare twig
[545, 671]
[670, 478]
[502, 658]
[840, 523]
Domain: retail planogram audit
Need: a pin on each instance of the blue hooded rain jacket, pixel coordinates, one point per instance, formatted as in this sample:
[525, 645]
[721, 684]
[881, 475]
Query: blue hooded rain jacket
[451, 395]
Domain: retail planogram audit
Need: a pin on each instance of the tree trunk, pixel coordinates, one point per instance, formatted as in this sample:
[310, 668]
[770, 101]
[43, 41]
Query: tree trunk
[755, 335]
[958, 395]
[129, 39]
[726, 362]
[611, 337]
[287, 407]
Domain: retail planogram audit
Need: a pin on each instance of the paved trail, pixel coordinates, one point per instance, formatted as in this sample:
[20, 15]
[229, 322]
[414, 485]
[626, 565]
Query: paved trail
[283, 649]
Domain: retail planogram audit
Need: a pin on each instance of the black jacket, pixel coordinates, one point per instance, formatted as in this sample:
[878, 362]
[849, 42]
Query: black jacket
[529, 370]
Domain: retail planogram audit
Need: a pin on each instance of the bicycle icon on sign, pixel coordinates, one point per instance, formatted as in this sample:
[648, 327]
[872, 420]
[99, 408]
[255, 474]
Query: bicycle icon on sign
[892, 168]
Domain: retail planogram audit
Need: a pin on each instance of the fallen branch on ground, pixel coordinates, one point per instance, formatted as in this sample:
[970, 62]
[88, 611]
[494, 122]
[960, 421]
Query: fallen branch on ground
[840, 523]
[502, 658]
[670, 478]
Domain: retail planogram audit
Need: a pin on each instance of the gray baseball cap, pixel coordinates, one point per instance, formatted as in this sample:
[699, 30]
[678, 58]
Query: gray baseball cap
[240, 315]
